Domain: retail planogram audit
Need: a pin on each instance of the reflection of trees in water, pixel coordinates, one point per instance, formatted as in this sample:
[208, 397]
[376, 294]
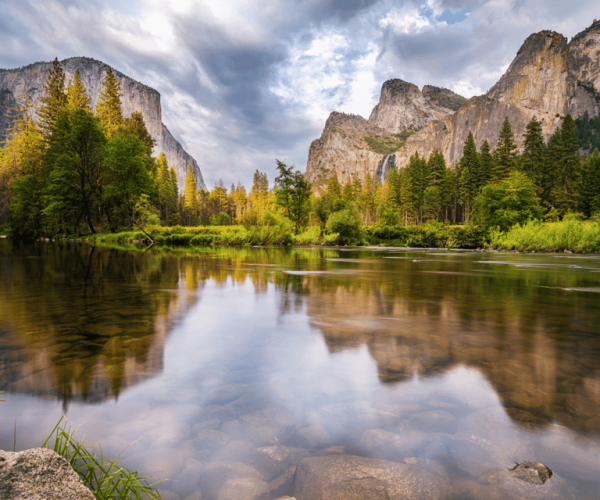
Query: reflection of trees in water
[536, 344]
[86, 323]
[82, 323]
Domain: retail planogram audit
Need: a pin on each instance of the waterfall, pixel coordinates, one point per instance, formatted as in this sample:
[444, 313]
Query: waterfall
[382, 170]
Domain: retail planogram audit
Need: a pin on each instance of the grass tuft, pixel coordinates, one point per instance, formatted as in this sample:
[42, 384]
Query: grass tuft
[102, 476]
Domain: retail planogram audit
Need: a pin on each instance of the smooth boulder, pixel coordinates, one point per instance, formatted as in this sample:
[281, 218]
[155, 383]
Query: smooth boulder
[346, 477]
[39, 474]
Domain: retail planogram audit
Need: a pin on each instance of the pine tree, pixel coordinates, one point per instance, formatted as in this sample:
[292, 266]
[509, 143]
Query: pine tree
[54, 101]
[437, 168]
[191, 197]
[135, 125]
[552, 164]
[590, 186]
[368, 199]
[565, 190]
[109, 106]
[486, 163]
[533, 154]
[77, 97]
[260, 193]
[173, 217]
[505, 154]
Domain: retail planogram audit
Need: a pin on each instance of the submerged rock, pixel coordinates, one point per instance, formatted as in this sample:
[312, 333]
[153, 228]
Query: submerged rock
[39, 473]
[346, 477]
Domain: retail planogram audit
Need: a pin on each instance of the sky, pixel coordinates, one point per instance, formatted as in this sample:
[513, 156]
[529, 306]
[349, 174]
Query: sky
[245, 82]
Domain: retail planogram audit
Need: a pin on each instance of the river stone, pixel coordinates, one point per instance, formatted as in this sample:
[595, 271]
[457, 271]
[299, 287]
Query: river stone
[346, 477]
[234, 450]
[207, 424]
[373, 438]
[284, 483]
[248, 488]
[502, 484]
[531, 472]
[213, 475]
[313, 436]
[270, 461]
[267, 427]
[210, 439]
[224, 393]
[188, 480]
[39, 474]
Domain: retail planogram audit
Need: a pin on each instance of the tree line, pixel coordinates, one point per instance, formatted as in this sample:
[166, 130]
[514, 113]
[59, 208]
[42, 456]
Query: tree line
[72, 171]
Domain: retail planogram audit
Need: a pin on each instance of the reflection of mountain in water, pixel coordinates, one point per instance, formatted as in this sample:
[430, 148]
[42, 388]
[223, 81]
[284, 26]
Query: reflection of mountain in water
[540, 351]
[84, 324]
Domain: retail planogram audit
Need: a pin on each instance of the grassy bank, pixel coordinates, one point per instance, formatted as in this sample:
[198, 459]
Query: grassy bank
[570, 234]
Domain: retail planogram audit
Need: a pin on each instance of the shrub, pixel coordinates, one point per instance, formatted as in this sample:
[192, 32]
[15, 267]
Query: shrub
[347, 223]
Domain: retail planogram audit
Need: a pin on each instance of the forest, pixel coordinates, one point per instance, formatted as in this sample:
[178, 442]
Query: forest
[69, 171]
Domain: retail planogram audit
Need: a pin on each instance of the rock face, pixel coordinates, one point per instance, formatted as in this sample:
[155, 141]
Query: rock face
[343, 149]
[30, 80]
[403, 106]
[549, 78]
[39, 474]
[346, 477]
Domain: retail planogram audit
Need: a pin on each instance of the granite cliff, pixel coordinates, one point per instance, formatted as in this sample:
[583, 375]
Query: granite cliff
[352, 146]
[31, 79]
[549, 78]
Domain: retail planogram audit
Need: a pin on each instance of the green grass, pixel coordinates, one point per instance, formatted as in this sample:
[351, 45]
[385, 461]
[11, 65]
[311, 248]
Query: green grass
[570, 234]
[102, 476]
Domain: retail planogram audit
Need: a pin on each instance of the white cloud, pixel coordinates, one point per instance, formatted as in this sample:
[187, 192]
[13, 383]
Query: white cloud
[406, 21]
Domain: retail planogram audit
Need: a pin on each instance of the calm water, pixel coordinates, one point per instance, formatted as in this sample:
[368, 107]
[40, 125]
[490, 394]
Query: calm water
[468, 361]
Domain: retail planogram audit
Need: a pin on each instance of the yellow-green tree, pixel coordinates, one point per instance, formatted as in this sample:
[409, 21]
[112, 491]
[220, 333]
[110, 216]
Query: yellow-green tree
[190, 205]
[77, 96]
[108, 108]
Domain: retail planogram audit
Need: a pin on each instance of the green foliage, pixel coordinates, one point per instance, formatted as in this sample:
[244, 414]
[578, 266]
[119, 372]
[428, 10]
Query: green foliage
[106, 479]
[310, 236]
[383, 145]
[220, 220]
[346, 223]
[293, 195]
[505, 154]
[510, 202]
[570, 234]
[110, 113]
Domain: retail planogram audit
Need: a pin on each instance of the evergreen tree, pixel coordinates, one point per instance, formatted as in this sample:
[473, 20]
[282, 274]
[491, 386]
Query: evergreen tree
[135, 126]
[565, 189]
[191, 198]
[590, 186]
[77, 97]
[486, 163]
[533, 154]
[436, 166]
[368, 200]
[505, 154]
[260, 193]
[109, 106]
[552, 165]
[173, 217]
[54, 100]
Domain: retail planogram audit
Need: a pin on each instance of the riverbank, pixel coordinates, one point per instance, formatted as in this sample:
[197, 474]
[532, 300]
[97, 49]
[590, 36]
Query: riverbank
[569, 235]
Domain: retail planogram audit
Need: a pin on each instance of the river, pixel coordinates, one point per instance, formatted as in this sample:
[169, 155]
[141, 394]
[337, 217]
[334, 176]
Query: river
[461, 363]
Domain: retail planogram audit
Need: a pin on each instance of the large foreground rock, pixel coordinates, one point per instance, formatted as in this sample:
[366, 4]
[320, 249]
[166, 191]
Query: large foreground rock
[346, 477]
[39, 474]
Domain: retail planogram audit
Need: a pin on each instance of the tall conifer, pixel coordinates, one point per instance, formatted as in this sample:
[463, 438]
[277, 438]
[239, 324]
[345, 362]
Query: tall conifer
[533, 153]
[77, 97]
[109, 106]
[486, 163]
[54, 101]
[505, 154]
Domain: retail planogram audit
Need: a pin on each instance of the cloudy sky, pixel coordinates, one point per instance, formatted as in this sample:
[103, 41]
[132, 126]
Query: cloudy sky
[243, 82]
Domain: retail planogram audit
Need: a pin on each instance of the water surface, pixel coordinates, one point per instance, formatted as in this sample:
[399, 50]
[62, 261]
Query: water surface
[469, 362]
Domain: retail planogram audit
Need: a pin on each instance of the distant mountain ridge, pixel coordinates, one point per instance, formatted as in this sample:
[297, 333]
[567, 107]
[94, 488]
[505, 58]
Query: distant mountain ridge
[549, 78]
[136, 97]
